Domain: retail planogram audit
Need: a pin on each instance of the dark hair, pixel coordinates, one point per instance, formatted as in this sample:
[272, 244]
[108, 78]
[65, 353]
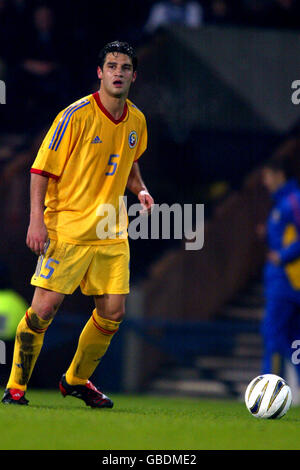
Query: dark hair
[117, 46]
[284, 164]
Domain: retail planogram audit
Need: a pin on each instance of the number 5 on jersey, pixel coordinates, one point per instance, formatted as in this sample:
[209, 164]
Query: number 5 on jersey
[113, 164]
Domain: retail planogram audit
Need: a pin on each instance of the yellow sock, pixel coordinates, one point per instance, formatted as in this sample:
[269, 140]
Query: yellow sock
[92, 345]
[28, 343]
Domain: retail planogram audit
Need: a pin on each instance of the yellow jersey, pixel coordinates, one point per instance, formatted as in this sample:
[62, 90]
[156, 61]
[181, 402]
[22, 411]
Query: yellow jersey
[88, 155]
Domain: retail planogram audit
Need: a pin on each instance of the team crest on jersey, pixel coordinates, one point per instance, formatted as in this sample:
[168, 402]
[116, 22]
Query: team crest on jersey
[132, 139]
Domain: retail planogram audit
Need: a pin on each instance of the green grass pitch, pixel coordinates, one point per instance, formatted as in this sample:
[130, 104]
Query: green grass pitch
[142, 422]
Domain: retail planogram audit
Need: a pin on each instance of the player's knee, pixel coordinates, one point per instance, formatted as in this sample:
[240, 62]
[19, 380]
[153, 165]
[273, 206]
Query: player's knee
[46, 311]
[118, 316]
[115, 315]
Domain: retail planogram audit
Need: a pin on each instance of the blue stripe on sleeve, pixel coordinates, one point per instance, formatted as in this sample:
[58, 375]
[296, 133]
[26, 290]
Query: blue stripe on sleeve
[69, 110]
[59, 125]
[66, 121]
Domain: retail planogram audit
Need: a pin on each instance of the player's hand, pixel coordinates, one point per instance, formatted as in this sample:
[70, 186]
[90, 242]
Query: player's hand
[146, 201]
[274, 257]
[37, 236]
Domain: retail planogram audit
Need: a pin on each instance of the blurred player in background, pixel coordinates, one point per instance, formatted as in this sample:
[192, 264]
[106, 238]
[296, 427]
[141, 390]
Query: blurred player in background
[281, 323]
[85, 162]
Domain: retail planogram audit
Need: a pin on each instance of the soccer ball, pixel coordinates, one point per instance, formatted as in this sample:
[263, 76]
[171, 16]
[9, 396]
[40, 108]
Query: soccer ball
[268, 396]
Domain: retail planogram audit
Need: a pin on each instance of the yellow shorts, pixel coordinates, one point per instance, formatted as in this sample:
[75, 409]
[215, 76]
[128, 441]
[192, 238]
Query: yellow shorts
[97, 269]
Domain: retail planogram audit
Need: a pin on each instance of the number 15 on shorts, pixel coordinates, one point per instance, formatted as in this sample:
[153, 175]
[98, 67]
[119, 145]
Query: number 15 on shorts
[49, 267]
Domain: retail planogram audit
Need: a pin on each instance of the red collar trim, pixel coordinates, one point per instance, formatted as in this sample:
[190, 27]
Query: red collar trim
[107, 114]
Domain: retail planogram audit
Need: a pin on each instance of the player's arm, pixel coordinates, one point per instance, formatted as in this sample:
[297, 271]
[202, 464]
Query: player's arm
[37, 233]
[49, 163]
[290, 212]
[136, 185]
[289, 253]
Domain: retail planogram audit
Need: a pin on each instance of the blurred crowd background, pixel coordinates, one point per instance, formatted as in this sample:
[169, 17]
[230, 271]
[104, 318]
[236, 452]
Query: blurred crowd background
[214, 81]
[48, 49]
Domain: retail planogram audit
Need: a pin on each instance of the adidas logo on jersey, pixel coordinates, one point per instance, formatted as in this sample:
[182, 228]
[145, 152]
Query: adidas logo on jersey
[96, 140]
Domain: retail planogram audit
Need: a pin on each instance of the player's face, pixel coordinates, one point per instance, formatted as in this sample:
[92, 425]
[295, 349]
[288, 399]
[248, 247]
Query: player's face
[272, 180]
[117, 74]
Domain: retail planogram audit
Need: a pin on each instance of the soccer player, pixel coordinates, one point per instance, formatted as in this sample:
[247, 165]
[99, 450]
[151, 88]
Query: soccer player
[281, 323]
[86, 161]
